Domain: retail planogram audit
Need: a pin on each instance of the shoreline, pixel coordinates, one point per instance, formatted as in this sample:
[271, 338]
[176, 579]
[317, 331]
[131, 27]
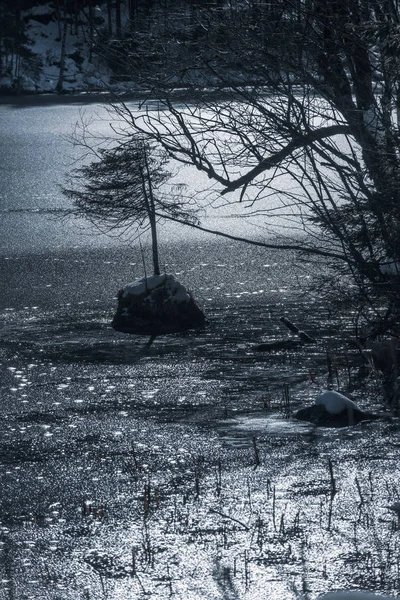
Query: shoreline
[48, 98]
[180, 93]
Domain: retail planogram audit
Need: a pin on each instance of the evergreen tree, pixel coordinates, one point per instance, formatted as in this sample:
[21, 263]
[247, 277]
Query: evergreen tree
[125, 187]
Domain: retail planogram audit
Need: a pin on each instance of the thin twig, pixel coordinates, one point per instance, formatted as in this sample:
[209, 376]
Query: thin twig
[225, 516]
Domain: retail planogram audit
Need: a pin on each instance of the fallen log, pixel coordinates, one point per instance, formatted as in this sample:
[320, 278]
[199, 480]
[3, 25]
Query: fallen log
[307, 339]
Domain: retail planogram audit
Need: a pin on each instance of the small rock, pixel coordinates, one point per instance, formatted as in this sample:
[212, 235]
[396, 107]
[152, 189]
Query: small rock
[332, 409]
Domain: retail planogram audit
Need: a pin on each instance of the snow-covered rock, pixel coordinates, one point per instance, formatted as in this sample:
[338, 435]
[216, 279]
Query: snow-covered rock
[174, 290]
[332, 409]
[156, 305]
[351, 595]
[335, 402]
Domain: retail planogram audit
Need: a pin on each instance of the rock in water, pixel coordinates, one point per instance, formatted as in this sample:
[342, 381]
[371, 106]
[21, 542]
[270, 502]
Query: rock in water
[156, 305]
[335, 403]
[332, 409]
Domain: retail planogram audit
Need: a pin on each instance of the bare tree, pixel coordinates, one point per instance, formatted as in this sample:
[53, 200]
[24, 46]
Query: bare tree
[307, 128]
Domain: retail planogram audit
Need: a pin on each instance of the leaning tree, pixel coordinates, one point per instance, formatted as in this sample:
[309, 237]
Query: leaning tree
[123, 187]
[307, 128]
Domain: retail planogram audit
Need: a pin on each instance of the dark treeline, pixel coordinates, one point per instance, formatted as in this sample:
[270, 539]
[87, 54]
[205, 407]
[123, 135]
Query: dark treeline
[133, 37]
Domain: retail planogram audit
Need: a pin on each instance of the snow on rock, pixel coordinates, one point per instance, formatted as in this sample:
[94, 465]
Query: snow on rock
[156, 305]
[175, 291]
[351, 595]
[335, 402]
[332, 409]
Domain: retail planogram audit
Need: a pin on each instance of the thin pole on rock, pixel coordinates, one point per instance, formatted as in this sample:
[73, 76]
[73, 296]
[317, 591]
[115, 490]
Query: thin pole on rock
[144, 265]
[151, 340]
[256, 453]
[151, 210]
[330, 368]
[333, 481]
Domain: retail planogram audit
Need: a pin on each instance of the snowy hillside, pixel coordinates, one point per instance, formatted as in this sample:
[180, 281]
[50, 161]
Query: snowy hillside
[59, 53]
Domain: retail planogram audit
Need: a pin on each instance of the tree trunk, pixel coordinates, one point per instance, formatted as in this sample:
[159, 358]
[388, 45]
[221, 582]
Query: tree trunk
[76, 17]
[91, 29]
[58, 16]
[154, 243]
[17, 82]
[118, 26]
[150, 207]
[109, 18]
[59, 86]
[132, 15]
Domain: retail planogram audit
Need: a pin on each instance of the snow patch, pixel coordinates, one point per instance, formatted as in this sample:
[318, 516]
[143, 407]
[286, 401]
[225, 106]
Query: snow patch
[373, 121]
[43, 9]
[176, 292]
[391, 267]
[335, 403]
[40, 72]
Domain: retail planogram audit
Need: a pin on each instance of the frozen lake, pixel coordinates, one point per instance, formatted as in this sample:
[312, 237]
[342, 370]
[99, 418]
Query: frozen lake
[176, 470]
[35, 155]
[48, 261]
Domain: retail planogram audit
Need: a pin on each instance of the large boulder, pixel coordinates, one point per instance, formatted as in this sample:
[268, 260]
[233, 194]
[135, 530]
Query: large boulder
[332, 409]
[156, 305]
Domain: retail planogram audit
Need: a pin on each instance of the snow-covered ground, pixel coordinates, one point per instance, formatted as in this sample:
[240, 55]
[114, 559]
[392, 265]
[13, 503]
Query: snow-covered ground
[85, 65]
[41, 73]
